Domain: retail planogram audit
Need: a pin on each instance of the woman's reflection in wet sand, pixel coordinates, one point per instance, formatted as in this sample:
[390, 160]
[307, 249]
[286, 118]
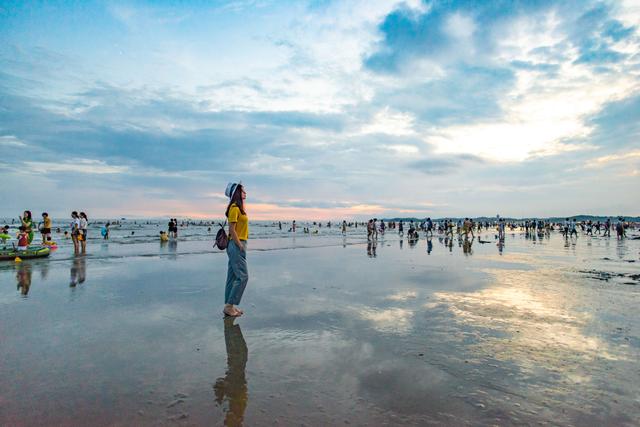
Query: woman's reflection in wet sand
[233, 387]
[78, 271]
[24, 278]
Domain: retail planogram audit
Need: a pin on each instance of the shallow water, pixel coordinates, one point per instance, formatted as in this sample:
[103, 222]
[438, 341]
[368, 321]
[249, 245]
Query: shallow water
[126, 232]
[337, 331]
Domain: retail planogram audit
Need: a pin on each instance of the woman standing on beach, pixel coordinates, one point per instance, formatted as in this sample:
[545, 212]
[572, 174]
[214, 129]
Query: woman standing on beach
[27, 223]
[237, 274]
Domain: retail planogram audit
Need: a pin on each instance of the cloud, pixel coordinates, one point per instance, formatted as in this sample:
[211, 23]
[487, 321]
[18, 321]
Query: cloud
[615, 158]
[439, 165]
[11, 141]
[82, 166]
[324, 109]
[617, 124]
[520, 88]
[445, 33]
[390, 123]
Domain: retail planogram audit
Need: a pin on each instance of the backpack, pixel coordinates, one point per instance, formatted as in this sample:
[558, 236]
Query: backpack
[222, 240]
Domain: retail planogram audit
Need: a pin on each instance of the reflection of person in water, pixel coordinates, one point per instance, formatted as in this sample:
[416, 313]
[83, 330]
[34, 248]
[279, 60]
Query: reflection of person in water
[412, 242]
[78, 271]
[429, 246]
[448, 242]
[24, 278]
[466, 246]
[371, 248]
[233, 387]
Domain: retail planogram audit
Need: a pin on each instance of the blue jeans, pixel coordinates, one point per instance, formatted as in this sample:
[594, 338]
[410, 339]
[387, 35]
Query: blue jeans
[237, 274]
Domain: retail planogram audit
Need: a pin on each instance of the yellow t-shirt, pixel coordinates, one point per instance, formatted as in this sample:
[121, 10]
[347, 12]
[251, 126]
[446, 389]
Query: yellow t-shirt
[47, 222]
[242, 222]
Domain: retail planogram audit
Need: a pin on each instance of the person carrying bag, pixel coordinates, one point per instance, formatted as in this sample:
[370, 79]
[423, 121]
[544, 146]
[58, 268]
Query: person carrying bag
[236, 246]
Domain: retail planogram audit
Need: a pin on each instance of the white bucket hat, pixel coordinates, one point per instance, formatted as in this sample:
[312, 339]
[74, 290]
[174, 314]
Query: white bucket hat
[231, 188]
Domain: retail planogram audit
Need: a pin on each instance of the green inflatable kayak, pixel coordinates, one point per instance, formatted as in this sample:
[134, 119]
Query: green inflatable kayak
[35, 251]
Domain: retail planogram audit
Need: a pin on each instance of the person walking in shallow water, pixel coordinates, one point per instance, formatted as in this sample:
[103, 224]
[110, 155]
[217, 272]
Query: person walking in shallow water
[75, 231]
[237, 273]
[82, 237]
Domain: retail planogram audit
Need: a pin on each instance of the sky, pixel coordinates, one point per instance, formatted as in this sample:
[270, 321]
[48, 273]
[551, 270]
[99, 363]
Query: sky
[323, 109]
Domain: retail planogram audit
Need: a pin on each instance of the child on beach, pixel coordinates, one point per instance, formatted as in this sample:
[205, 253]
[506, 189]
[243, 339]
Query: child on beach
[105, 231]
[4, 234]
[164, 237]
[23, 238]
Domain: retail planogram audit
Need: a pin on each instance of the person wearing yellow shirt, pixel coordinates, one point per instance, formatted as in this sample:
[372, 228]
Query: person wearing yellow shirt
[46, 228]
[237, 273]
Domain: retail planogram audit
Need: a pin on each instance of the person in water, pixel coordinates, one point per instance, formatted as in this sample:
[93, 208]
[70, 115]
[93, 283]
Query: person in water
[170, 227]
[237, 273]
[4, 234]
[46, 228]
[82, 237]
[163, 237]
[23, 238]
[105, 231]
[75, 231]
[27, 223]
[620, 231]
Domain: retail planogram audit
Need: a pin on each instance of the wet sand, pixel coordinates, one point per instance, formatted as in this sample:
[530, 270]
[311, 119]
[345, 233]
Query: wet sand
[336, 332]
